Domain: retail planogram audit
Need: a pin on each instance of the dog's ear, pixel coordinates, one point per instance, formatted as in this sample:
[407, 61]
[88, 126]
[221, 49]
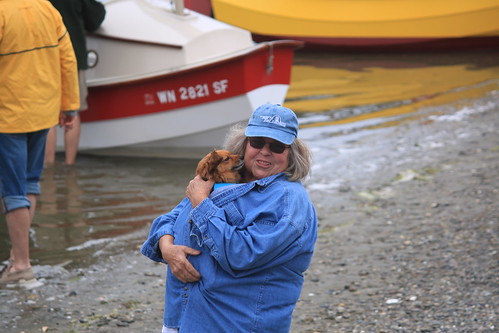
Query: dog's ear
[214, 161]
[202, 168]
[208, 165]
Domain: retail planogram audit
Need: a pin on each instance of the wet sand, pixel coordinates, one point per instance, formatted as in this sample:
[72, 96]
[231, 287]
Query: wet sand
[408, 246]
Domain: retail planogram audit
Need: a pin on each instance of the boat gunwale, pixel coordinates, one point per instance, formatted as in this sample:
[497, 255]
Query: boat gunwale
[130, 40]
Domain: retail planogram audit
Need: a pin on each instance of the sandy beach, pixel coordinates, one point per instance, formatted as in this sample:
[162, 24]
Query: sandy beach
[408, 246]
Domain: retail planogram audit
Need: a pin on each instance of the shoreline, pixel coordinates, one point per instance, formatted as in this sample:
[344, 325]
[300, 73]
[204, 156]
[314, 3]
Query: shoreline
[417, 252]
[410, 246]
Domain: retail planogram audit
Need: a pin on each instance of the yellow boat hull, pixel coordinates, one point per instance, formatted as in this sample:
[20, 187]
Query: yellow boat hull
[364, 22]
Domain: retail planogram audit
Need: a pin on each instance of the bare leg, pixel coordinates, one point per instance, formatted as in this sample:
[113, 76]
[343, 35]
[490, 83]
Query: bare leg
[18, 224]
[50, 146]
[71, 141]
[31, 214]
[21, 232]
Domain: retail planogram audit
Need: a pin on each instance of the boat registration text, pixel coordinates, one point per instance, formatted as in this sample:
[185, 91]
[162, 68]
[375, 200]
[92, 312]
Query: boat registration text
[185, 93]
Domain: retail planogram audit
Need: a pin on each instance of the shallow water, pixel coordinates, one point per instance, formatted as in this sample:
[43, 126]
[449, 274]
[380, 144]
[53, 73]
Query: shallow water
[340, 98]
[337, 89]
[84, 208]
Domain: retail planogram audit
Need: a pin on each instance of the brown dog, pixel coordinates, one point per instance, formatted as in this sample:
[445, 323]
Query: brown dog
[220, 166]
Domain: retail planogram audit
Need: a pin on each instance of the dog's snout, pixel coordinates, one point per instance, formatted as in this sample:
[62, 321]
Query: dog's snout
[239, 163]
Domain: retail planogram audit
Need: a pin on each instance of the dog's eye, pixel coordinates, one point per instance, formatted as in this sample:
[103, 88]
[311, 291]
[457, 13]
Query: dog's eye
[227, 158]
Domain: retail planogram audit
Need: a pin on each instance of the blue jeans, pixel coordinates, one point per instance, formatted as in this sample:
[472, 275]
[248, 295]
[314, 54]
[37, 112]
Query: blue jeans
[21, 165]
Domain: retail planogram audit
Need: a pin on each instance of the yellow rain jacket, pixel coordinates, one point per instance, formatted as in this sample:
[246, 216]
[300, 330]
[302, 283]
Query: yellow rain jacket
[38, 70]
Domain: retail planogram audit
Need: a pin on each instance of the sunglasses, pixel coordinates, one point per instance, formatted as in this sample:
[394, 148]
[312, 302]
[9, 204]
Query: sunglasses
[274, 146]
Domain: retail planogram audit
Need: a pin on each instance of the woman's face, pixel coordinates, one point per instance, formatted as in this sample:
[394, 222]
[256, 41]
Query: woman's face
[263, 162]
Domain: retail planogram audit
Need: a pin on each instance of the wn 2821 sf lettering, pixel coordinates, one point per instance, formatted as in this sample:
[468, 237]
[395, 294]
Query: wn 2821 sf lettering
[192, 92]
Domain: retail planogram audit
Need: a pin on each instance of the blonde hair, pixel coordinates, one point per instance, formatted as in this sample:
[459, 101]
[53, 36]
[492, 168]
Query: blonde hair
[299, 159]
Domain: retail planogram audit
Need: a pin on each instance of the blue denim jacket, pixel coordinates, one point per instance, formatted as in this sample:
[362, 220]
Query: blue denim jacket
[256, 241]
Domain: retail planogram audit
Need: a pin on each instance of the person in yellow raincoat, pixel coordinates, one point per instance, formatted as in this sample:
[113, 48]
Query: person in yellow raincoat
[38, 89]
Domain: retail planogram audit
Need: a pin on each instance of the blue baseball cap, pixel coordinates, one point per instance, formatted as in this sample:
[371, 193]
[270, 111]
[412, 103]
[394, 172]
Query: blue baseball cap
[273, 121]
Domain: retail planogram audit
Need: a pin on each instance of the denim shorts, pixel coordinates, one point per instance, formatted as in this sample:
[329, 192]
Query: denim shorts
[21, 165]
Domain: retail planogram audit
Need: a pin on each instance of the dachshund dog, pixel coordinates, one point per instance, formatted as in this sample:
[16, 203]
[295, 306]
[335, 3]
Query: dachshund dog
[220, 166]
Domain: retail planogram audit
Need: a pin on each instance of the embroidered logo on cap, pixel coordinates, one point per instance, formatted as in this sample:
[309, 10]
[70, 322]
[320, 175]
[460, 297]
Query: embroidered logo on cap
[273, 120]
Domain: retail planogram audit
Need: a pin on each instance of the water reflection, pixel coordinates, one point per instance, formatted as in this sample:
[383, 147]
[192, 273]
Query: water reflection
[329, 89]
[100, 198]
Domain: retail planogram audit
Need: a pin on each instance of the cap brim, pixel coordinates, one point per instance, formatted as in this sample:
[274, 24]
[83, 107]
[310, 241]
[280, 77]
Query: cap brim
[265, 132]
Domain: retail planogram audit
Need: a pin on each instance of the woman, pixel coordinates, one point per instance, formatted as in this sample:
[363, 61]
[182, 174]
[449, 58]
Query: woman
[236, 257]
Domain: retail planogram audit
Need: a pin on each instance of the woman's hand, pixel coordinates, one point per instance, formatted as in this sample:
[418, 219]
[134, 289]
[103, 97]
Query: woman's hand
[176, 257]
[198, 190]
[66, 120]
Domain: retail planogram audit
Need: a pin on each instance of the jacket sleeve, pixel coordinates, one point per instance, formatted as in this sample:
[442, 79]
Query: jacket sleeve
[70, 94]
[94, 13]
[161, 226]
[264, 243]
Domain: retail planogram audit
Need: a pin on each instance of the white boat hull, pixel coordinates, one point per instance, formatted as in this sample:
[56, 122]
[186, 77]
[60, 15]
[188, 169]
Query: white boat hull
[191, 136]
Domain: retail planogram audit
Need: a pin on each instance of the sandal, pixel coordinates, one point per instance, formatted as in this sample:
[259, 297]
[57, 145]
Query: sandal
[22, 276]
